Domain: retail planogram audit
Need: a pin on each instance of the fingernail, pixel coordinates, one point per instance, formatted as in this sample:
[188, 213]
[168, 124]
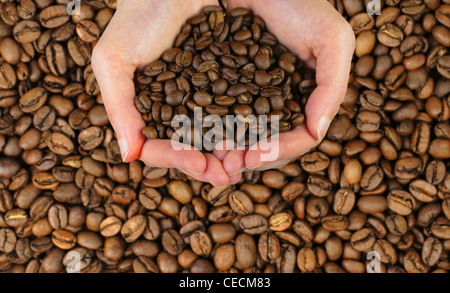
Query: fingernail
[322, 127]
[255, 166]
[124, 149]
[240, 171]
[195, 173]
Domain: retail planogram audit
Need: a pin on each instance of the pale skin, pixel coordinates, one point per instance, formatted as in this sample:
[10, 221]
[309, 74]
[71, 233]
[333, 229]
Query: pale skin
[142, 29]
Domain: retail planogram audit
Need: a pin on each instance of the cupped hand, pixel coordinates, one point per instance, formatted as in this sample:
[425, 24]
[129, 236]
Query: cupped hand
[138, 34]
[141, 30]
[322, 38]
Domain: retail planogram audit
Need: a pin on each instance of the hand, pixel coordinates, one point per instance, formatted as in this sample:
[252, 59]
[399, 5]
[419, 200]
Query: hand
[138, 34]
[324, 40]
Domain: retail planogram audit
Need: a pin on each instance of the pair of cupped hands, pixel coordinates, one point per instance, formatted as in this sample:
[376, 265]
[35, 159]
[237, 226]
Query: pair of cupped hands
[141, 30]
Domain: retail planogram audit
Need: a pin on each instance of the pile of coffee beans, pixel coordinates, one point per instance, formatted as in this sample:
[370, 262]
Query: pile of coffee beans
[375, 192]
[228, 64]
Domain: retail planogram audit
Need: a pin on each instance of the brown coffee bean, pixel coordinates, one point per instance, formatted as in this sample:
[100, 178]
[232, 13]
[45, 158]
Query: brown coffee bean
[123, 194]
[439, 148]
[7, 240]
[201, 243]
[133, 228]
[60, 144]
[344, 200]
[280, 221]
[431, 251]
[401, 202]
[274, 179]
[87, 31]
[335, 222]
[26, 31]
[363, 239]
[372, 177]
[352, 171]
[181, 191]
[441, 228]
[372, 204]
[390, 35]
[387, 252]
[110, 226]
[413, 263]
[292, 190]
[172, 242]
[224, 256]
[253, 224]
[306, 260]
[246, 250]
[33, 99]
[150, 198]
[63, 239]
[240, 203]
[422, 190]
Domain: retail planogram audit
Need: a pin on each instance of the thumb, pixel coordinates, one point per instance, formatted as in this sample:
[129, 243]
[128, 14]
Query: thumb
[117, 87]
[332, 71]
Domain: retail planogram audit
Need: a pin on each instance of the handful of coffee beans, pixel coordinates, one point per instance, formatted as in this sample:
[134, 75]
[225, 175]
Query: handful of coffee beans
[223, 64]
[373, 196]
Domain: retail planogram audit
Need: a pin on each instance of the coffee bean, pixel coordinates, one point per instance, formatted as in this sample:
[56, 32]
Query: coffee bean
[63, 239]
[7, 240]
[280, 222]
[413, 263]
[246, 249]
[363, 239]
[253, 224]
[133, 228]
[33, 99]
[240, 203]
[372, 204]
[344, 200]
[201, 243]
[401, 202]
[110, 226]
[26, 31]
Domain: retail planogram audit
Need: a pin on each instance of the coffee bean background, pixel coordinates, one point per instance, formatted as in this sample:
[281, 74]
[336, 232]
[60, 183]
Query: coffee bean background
[379, 181]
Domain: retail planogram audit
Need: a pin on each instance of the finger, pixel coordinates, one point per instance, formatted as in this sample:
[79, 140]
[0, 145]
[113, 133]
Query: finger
[222, 148]
[234, 179]
[115, 80]
[280, 147]
[234, 162]
[332, 71]
[272, 165]
[214, 173]
[161, 153]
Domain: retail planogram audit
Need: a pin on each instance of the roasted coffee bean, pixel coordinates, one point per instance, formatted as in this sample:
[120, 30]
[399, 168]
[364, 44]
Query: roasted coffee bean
[133, 228]
[240, 203]
[253, 224]
[413, 263]
[344, 200]
[33, 100]
[7, 240]
[334, 223]
[63, 239]
[363, 239]
[401, 202]
[110, 226]
[306, 259]
[246, 250]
